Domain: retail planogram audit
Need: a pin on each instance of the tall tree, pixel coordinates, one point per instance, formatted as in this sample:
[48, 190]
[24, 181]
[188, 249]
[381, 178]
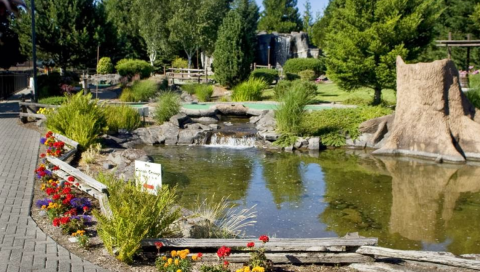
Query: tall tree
[280, 16]
[10, 53]
[308, 19]
[235, 46]
[364, 38]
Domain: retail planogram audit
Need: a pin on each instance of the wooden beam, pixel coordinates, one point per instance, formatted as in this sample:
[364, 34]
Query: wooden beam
[29, 104]
[34, 115]
[66, 140]
[459, 45]
[423, 256]
[296, 258]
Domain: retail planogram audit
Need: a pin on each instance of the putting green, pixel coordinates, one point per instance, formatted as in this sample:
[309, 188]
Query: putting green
[256, 106]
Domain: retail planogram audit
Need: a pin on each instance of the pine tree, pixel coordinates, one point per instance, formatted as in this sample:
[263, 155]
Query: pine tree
[280, 16]
[235, 46]
[308, 19]
[364, 38]
[10, 48]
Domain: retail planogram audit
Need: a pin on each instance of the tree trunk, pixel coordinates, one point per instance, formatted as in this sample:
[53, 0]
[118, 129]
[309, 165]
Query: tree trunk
[433, 117]
[377, 98]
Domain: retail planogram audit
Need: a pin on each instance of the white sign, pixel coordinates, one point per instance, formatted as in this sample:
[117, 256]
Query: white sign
[149, 175]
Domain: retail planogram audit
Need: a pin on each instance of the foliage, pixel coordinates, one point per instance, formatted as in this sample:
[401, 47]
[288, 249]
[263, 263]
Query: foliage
[189, 88]
[268, 75]
[334, 125]
[286, 140]
[127, 95]
[10, 47]
[143, 90]
[204, 92]
[291, 111]
[177, 261]
[122, 117]
[290, 76]
[53, 100]
[131, 67]
[250, 90]
[180, 63]
[79, 119]
[136, 215]
[82, 239]
[105, 66]
[364, 39]
[54, 84]
[168, 105]
[280, 16]
[258, 259]
[235, 46]
[284, 86]
[307, 75]
[91, 153]
[307, 20]
[214, 268]
[295, 66]
[473, 94]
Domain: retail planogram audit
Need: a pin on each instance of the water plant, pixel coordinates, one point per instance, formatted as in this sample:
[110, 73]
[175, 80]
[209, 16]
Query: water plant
[122, 117]
[250, 90]
[168, 105]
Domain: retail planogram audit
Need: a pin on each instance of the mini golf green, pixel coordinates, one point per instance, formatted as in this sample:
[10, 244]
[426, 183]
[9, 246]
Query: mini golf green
[256, 106]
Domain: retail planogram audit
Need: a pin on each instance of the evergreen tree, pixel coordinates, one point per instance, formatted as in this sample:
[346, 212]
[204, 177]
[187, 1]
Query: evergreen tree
[235, 46]
[10, 53]
[308, 19]
[364, 38]
[280, 16]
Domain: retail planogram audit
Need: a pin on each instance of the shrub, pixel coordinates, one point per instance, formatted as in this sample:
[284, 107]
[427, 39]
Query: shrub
[189, 88]
[295, 66]
[204, 92]
[122, 117]
[145, 89]
[334, 124]
[131, 67]
[168, 105]
[136, 215]
[179, 63]
[284, 86]
[290, 76]
[49, 85]
[127, 95]
[474, 97]
[250, 90]
[307, 75]
[53, 100]
[105, 66]
[268, 75]
[290, 113]
[80, 119]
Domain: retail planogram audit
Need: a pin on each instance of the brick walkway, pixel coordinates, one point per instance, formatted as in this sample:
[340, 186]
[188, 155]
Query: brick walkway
[23, 246]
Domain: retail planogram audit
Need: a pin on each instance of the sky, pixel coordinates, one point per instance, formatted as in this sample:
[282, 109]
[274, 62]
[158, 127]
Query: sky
[317, 5]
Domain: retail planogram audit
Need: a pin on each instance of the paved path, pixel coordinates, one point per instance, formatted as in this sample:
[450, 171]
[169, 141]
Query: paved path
[23, 246]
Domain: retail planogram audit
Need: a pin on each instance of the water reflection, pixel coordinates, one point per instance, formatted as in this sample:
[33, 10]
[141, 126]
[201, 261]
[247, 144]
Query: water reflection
[407, 204]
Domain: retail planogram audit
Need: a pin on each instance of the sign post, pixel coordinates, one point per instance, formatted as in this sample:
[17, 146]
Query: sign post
[149, 175]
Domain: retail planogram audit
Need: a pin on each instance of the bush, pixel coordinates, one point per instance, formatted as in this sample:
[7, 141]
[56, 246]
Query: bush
[189, 88]
[268, 75]
[136, 215]
[284, 86]
[122, 117]
[295, 66]
[474, 97]
[250, 90]
[307, 75]
[204, 92]
[290, 113]
[290, 76]
[179, 63]
[333, 125]
[53, 100]
[105, 66]
[80, 119]
[168, 105]
[127, 95]
[131, 67]
[145, 89]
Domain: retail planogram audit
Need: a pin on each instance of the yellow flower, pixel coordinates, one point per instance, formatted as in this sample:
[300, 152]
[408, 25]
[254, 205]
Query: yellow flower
[164, 258]
[174, 253]
[170, 260]
[188, 251]
[239, 270]
[177, 261]
[44, 207]
[258, 269]
[183, 255]
[43, 186]
[246, 269]
[194, 257]
[165, 265]
[179, 270]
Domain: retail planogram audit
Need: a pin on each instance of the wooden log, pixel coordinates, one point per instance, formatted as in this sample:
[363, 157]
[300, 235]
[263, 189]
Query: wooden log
[35, 115]
[29, 104]
[378, 267]
[297, 258]
[275, 244]
[66, 140]
[78, 174]
[423, 256]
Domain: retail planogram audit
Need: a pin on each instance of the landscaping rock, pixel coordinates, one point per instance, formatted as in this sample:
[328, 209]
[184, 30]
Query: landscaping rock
[301, 143]
[180, 120]
[186, 97]
[205, 120]
[269, 136]
[212, 111]
[314, 143]
[151, 135]
[234, 109]
[289, 148]
[265, 122]
[256, 112]
[170, 132]
[125, 162]
[363, 141]
[107, 166]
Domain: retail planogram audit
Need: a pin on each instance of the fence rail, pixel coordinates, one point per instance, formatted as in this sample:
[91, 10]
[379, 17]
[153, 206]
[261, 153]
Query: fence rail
[11, 83]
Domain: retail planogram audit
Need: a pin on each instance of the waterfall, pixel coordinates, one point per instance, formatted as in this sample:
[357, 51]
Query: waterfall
[283, 43]
[232, 141]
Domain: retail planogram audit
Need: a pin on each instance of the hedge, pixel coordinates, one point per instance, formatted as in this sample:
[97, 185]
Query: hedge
[295, 66]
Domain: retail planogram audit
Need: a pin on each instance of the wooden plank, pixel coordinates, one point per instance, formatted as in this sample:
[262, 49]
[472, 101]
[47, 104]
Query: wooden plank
[35, 115]
[66, 140]
[457, 41]
[29, 104]
[275, 244]
[423, 256]
[296, 258]
[78, 174]
[379, 267]
[459, 45]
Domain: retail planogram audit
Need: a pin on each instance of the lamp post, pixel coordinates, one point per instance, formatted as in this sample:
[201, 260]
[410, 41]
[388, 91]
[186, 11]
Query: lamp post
[34, 52]
[268, 56]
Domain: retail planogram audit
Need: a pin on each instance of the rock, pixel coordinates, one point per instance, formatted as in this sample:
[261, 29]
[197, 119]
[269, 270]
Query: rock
[186, 97]
[170, 132]
[211, 112]
[314, 143]
[301, 142]
[42, 213]
[439, 159]
[214, 126]
[265, 122]
[190, 136]
[255, 112]
[269, 145]
[205, 120]
[151, 135]
[40, 123]
[197, 126]
[228, 124]
[289, 148]
[269, 136]
[107, 166]
[180, 120]
[362, 141]
[234, 109]
[433, 117]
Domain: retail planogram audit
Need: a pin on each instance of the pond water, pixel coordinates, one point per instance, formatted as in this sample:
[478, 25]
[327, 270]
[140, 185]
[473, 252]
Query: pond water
[407, 204]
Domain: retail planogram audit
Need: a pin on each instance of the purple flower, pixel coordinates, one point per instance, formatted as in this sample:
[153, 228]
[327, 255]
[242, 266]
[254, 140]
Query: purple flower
[470, 67]
[48, 173]
[42, 202]
[42, 140]
[80, 202]
[476, 72]
[86, 219]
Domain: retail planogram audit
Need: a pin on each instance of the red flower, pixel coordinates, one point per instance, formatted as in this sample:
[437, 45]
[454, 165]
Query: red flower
[66, 201]
[56, 197]
[56, 222]
[42, 155]
[157, 244]
[85, 209]
[251, 244]
[64, 220]
[55, 168]
[71, 179]
[49, 134]
[225, 263]
[264, 238]
[77, 184]
[49, 191]
[199, 255]
[224, 252]
[66, 190]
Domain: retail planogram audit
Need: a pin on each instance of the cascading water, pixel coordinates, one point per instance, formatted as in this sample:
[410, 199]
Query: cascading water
[283, 43]
[233, 132]
[232, 141]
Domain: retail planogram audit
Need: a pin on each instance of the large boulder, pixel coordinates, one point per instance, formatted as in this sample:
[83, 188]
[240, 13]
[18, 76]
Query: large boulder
[180, 120]
[433, 117]
[234, 109]
[194, 134]
[124, 162]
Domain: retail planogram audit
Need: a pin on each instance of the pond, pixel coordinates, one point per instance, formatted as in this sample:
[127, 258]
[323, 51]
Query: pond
[408, 204]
